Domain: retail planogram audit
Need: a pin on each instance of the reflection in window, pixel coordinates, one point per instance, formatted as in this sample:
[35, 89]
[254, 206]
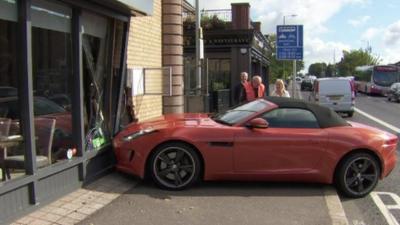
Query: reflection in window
[10, 132]
[190, 76]
[95, 45]
[52, 72]
[291, 118]
[219, 74]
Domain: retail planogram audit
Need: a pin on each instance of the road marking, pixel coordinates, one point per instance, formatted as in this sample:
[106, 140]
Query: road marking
[359, 222]
[385, 209]
[395, 129]
[335, 208]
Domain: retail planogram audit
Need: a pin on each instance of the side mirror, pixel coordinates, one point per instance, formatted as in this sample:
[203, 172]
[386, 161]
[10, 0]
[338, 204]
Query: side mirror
[259, 123]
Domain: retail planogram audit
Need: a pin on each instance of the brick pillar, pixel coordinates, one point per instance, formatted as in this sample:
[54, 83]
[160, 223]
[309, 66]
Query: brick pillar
[257, 26]
[240, 16]
[172, 53]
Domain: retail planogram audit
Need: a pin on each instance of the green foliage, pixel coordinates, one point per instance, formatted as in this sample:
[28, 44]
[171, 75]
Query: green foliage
[207, 23]
[330, 70]
[280, 69]
[354, 58]
[320, 69]
[317, 69]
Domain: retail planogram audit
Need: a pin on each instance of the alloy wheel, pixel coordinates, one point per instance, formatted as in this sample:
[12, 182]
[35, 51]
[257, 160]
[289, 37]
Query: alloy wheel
[361, 175]
[174, 167]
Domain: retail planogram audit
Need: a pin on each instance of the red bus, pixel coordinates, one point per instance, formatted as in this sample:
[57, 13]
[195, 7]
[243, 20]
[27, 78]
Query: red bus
[376, 79]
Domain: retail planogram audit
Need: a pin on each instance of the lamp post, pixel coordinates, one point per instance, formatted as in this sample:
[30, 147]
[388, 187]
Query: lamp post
[294, 61]
[284, 17]
[199, 48]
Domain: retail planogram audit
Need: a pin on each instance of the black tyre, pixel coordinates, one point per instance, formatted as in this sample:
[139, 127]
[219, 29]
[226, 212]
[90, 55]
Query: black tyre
[357, 175]
[175, 166]
[350, 113]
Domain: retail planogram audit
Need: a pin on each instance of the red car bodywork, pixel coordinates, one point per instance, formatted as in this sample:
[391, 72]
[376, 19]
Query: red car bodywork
[240, 153]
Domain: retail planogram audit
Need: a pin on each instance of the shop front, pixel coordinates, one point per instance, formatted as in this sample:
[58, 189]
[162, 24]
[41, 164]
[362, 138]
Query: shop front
[231, 46]
[62, 69]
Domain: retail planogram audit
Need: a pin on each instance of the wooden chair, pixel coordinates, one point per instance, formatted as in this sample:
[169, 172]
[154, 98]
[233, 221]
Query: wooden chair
[44, 131]
[4, 132]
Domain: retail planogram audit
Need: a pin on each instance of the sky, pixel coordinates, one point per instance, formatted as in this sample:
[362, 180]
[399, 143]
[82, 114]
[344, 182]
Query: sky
[331, 26]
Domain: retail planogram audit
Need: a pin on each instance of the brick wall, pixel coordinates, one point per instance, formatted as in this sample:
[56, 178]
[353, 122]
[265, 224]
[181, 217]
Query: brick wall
[144, 50]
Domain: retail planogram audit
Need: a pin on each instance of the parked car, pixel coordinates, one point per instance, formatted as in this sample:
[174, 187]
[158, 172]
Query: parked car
[335, 93]
[278, 139]
[353, 84]
[394, 92]
[44, 108]
[306, 84]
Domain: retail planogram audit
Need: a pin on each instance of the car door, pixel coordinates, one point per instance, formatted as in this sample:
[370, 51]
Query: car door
[292, 144]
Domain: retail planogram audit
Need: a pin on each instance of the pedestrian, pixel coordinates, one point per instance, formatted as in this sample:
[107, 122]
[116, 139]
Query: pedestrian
[280, 90]
[256, 89]
[239, 92]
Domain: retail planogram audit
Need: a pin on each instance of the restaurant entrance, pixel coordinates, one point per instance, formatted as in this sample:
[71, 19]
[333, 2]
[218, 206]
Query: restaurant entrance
[61, 69]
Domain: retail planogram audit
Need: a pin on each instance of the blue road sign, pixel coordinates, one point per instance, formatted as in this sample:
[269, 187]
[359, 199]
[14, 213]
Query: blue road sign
[289, 42]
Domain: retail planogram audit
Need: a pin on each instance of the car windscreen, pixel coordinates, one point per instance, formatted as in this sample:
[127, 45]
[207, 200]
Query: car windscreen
[42, 106]
[241, 112]
[385, 78]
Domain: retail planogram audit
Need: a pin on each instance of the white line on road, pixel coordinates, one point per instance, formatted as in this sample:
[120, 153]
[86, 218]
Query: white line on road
[390, 219]
[335, 208]
[395, 129]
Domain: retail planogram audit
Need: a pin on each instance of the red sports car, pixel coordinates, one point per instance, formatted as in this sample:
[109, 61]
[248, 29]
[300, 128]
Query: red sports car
[273, 139]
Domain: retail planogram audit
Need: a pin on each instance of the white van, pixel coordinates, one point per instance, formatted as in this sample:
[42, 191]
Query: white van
[335, 93]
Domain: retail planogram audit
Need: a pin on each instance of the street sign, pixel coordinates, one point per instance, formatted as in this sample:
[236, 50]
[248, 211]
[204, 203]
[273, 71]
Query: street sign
[289, 42]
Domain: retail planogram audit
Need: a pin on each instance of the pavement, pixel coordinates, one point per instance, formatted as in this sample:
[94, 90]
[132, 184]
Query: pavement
[120, 199]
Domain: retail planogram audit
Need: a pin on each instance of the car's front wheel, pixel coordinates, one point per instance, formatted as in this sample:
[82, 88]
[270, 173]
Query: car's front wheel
[175, 166]
[357, 175]
[350, 113]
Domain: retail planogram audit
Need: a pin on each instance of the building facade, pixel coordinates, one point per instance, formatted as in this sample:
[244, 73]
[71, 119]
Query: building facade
[232, 44]
[72, 74]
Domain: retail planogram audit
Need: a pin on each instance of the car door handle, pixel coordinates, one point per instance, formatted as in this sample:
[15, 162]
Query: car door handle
[221, 144]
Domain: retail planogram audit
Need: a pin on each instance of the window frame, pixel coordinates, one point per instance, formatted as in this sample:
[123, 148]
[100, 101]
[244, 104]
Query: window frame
[25, 93]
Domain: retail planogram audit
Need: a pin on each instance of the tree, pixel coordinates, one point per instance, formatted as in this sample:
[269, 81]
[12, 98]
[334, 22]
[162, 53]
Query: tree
[281, 69]
[330, 70]
[317, 69]
[354, 58]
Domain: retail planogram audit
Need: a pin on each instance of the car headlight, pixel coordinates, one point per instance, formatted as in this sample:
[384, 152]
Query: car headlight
[137, 134]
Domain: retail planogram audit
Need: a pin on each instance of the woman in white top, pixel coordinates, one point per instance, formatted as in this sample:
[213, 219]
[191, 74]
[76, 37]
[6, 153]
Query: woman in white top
[280, 89]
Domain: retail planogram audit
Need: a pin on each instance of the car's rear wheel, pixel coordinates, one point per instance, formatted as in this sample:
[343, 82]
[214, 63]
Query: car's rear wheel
[357, 175]
[175, 166]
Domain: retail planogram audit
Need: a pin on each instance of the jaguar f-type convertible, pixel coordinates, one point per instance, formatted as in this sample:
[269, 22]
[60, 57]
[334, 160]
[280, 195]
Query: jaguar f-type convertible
[271, 139]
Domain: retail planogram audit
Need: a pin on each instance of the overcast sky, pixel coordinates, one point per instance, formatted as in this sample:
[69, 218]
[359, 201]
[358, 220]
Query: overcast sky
[331, 25]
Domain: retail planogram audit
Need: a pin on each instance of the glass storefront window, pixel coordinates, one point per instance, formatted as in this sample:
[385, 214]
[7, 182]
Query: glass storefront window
[96, 44]
[52, 80]
[10, 133]
[219, 73]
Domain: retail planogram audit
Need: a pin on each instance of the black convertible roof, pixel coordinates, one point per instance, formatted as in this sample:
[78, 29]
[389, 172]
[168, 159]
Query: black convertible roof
[326, 117]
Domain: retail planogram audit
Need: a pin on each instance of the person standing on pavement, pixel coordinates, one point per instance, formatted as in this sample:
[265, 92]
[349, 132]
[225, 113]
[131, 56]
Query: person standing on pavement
[239, 93]
[256, 89]
[280, 90]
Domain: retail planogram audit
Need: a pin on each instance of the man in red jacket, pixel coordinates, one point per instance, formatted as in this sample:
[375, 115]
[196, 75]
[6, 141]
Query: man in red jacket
[256, 89]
